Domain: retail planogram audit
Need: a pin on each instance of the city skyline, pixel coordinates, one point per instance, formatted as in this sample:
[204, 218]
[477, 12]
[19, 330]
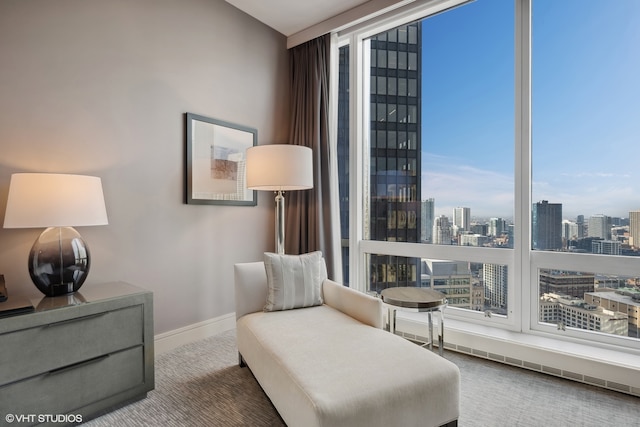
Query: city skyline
[584, 110]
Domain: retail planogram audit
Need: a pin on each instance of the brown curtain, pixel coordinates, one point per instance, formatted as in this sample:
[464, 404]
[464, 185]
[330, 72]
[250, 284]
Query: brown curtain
[308, 213]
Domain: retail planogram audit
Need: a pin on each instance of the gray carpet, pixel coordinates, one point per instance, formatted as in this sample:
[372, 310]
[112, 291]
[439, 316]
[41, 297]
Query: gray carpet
[201, 384]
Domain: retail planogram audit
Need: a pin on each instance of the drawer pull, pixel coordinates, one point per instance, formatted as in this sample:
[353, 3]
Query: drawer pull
[77, 319]
[77, 365]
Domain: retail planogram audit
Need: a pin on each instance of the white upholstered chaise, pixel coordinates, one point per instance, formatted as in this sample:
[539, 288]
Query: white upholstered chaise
[333, 364]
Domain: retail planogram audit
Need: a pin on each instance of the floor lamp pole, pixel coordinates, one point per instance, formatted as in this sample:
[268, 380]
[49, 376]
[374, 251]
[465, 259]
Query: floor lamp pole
[280, 223]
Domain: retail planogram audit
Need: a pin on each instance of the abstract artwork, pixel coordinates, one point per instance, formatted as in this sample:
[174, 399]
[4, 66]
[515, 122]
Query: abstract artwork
[216, 158]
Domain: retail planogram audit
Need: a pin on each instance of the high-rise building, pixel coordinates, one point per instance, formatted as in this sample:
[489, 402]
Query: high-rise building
[600, 226]
[495, 285]
[462, 219]
[510, 235]
[497, 227]
[547, 226]
[427, 214]
[442, 231]
[569, 230]
[394, 209]
[634, 228]
[582, 232]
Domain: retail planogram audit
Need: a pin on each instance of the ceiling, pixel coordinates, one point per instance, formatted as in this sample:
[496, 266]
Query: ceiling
[292, 16]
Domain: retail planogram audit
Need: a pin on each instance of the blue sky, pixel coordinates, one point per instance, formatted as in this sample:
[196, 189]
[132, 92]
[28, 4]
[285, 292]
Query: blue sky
[585, 109]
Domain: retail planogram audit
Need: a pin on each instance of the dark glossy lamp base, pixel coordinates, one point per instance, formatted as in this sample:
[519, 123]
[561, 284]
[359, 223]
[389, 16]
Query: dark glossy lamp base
[59, 261]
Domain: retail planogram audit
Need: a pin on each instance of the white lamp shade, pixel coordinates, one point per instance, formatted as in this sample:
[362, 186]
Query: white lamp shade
[54, 200]
[278, 167]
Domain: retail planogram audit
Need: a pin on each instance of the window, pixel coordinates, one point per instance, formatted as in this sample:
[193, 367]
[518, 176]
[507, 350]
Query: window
[495, 167]
[422, 168]
[585, 89]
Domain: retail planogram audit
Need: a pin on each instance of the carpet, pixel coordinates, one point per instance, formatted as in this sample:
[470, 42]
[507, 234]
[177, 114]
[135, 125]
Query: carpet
[201, 384]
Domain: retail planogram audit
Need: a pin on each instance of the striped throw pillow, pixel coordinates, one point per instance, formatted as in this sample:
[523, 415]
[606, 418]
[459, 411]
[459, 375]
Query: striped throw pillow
[295, 281]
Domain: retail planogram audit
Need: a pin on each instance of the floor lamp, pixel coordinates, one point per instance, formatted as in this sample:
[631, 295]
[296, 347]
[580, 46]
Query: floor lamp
[279, 168]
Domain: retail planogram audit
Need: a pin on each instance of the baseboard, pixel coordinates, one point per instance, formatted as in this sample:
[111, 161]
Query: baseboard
[167, 341]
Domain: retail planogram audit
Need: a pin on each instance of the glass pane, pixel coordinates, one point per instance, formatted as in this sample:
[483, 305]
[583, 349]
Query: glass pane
[590, 302]
[467, 285]
[467, 124]
[445, 133]
[585, 125]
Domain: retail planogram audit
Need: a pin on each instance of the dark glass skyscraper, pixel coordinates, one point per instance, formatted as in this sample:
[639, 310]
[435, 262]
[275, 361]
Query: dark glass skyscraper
[395, 152]
[547, 226]
[394, 206]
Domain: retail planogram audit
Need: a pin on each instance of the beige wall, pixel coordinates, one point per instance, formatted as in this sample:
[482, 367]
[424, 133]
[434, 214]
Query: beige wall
[100, 88]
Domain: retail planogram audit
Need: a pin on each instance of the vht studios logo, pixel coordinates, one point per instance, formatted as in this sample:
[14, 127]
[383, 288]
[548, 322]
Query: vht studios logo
[43, 418]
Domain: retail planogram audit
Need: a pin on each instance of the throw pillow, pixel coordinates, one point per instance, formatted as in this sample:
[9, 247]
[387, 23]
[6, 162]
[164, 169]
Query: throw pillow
[294, 281]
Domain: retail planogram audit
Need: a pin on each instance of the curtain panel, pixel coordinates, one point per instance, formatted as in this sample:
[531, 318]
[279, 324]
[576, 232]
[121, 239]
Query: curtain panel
[309, 220]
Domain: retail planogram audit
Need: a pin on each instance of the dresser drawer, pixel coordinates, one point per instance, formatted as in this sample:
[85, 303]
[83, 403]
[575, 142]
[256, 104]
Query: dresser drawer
[28, 352]
[68, 389]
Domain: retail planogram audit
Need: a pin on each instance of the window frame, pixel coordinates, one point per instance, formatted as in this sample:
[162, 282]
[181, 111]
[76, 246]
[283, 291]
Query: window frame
[522, 262]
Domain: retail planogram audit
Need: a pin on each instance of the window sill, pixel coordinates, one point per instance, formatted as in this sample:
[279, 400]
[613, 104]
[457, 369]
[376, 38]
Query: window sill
[604, 367]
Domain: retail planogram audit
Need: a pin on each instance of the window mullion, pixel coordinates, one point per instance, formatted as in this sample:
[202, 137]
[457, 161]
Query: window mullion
[523, 294]
[358, 185]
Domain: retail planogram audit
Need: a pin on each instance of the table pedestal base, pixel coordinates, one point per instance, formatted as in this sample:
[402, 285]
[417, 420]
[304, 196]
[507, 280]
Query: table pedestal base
[392, 326]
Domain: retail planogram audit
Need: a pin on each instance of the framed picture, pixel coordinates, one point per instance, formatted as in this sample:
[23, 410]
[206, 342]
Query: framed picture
[216, 153]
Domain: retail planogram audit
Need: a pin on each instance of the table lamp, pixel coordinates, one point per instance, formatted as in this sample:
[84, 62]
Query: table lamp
[59, 259]
[279, 168]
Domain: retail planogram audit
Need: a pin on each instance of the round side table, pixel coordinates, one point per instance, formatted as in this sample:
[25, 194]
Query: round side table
[416, 300]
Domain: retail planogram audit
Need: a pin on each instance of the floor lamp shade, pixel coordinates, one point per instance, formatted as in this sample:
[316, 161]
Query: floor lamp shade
[279, 167]
[59, 260]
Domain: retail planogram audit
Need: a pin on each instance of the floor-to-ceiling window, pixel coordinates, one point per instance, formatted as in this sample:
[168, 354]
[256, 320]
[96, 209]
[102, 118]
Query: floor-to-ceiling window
[493, 145]
[585, 121]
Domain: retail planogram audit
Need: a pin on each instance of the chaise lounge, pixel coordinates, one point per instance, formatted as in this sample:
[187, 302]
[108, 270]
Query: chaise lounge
[331, 363]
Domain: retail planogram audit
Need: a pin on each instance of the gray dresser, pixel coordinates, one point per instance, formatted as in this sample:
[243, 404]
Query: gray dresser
[80, 354]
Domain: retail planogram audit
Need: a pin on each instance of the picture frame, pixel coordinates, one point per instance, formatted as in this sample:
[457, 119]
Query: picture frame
[215, 162]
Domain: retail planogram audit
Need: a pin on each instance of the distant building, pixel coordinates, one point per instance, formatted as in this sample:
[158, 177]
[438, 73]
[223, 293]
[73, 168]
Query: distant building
[569, 230]
[497, 227]
[634, 228]
[582, 228]
[482, 229]
[604, 281]
[495, 285]
[462, 219]
[426, 221]
[624, 300]
[605, 247]
[584, 244]
[510, 235]
[566, 283]
[567, 311]
[477, 295]
[547, 226]
[442, 231]
[452, 278]
[473, 240]
[600, 227]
